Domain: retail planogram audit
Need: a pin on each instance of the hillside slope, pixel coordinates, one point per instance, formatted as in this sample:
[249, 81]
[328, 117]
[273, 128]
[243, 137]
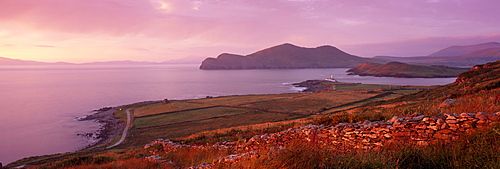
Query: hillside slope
[398, 69]
[9, 61]
[483, 78]
[454, 56]
[287, 56]
[462, 50]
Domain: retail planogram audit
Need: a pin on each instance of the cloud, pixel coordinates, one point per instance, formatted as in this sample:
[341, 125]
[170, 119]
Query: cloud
[7, 45]
[161, 25]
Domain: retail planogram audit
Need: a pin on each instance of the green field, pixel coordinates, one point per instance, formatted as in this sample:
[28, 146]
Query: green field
[183, 118]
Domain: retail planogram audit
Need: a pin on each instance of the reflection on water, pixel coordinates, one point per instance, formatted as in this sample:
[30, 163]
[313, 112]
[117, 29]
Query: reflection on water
[39, 104]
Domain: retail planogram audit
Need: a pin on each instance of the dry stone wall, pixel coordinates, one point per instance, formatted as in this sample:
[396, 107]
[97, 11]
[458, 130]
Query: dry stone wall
[346, 137]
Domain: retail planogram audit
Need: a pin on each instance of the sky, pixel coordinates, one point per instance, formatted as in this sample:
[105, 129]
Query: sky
[160, 30]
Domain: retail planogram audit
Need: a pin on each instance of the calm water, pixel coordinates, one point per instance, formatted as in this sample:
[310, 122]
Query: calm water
[38, 104]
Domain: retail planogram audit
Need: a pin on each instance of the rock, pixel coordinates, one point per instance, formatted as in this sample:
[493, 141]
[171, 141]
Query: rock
[451, 121]
[447, 102]
[415, 114]
[418, 118]
[494, 117]
[450, 116]
[394, 119]
[482, 116]
[444, 126]
[468, 115]
[347, 136]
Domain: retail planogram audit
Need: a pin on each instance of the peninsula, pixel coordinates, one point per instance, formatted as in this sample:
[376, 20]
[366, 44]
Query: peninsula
[403, 70]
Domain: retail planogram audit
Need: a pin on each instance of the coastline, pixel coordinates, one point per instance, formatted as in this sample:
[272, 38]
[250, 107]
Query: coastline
[312, 86]
[111, 127]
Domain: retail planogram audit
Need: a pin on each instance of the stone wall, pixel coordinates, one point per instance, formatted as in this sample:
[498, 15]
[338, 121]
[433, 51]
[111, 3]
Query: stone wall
[346, 137]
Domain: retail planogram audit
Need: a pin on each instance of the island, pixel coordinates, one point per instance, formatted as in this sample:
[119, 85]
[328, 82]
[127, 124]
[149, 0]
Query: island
[287, 56]
[403, 70]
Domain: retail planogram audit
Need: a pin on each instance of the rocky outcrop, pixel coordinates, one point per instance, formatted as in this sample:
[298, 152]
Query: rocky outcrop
[315, 86]
[345, 137]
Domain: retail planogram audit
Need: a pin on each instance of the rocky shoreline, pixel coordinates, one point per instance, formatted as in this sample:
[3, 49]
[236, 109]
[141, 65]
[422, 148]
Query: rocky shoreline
[111, 126]
[315, 86]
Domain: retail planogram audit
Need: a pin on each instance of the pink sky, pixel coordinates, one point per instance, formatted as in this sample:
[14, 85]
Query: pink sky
[159, 30]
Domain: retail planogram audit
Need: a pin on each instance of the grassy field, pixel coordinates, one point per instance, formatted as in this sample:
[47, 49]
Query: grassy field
[180, 119]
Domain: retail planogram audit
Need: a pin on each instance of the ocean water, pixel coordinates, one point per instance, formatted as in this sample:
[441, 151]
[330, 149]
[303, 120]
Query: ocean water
[38, 104]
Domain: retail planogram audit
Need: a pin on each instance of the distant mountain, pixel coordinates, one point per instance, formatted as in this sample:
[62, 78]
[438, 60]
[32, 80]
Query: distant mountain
[398, 69]
[287, 56]
[492, 54]
[186, 60]
[123, 62]
[462, 50]
[479, 54]
[8, 61]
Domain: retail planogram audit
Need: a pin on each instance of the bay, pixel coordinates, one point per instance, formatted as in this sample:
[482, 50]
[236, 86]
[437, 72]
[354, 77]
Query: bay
[38, 104]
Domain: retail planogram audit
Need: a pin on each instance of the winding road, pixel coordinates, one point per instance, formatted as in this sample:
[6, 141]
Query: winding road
[125, 131]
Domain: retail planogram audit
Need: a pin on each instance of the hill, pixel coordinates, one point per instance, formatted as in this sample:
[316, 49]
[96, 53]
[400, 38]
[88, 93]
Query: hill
[479, 78]
[463, 56]
[462, 50]
[14, 62]
[287, 56]
[8, 61]
[398, 69]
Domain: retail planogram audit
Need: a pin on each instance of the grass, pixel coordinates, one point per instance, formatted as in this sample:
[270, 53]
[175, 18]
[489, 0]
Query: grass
[186, 116]
[477, 150]
[174, 106]
[231, 118]
[141, 136]
[359, 86]
[244, 99]
[311, 103]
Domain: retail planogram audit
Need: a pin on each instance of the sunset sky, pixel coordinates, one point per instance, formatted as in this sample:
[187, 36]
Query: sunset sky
[159, 30]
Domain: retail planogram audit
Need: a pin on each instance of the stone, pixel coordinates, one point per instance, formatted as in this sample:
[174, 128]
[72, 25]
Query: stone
[445, 131]
[444, 126]
[468, 115]
[451, 121]
[415, 114]
[494, 117]
[450, 116]
[440, 121]
[441, 136]
[447, 102]
[418, 118]
[433, 127]
[421, 127]
[393, 119]
[482, 116]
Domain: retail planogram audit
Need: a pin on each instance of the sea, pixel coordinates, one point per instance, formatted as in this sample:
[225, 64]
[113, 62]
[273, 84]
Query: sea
[39, 104]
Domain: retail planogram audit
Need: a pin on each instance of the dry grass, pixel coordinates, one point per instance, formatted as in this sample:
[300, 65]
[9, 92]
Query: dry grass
[476, 150]
[244, 99]
[186, 116]
[174, 106]
[312, 103]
